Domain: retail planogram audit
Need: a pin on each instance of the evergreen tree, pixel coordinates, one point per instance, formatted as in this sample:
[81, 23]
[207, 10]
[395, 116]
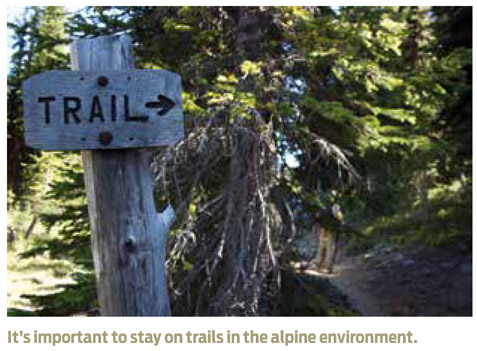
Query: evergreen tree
[454, 51]
[50, 183]
[39, 45]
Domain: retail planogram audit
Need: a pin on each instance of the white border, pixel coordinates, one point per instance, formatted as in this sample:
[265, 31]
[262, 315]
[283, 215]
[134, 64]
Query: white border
[432, 333]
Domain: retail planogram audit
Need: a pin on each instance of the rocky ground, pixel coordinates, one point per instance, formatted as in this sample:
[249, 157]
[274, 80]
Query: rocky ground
[415, 281]
[412, 281]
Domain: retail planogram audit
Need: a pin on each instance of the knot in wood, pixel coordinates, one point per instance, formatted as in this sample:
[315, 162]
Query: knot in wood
[130, 244]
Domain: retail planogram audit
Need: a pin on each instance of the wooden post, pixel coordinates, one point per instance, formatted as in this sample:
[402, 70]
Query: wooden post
[127, 235]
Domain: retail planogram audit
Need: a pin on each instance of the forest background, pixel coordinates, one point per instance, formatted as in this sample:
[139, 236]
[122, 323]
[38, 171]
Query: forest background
[283, 106]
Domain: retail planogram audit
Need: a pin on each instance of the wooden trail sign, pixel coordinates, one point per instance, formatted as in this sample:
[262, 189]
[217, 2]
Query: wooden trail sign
[64, 111]
[102, 109]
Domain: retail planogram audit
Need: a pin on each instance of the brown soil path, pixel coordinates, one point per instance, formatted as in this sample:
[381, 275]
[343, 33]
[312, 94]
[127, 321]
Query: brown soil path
[411, 282]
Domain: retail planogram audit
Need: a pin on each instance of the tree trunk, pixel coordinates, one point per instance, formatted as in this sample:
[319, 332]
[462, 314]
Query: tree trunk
[30, 228]
[127, 235]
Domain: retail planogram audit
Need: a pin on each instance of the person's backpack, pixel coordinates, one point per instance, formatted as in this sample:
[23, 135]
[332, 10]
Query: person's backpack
[336, 212]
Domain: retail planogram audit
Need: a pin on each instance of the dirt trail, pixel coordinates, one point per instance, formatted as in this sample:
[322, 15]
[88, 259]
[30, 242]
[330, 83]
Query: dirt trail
[350, 282]
[411, 282]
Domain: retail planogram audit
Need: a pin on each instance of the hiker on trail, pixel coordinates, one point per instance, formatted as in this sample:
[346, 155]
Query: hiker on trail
[327, 226]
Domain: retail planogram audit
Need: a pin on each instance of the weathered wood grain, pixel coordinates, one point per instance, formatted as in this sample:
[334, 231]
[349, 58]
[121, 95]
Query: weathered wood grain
[70, 110]
[127, 234]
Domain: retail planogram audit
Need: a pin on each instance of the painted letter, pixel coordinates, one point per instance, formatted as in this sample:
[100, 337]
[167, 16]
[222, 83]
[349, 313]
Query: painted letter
[67, 109]
[96, 110]
[113, 108]
[47, 100]
[129, 118]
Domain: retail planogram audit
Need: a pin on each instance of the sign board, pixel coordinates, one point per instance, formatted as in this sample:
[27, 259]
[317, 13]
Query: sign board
[67, 110]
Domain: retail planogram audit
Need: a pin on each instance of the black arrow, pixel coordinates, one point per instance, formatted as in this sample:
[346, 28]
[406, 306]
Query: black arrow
[164, 103]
